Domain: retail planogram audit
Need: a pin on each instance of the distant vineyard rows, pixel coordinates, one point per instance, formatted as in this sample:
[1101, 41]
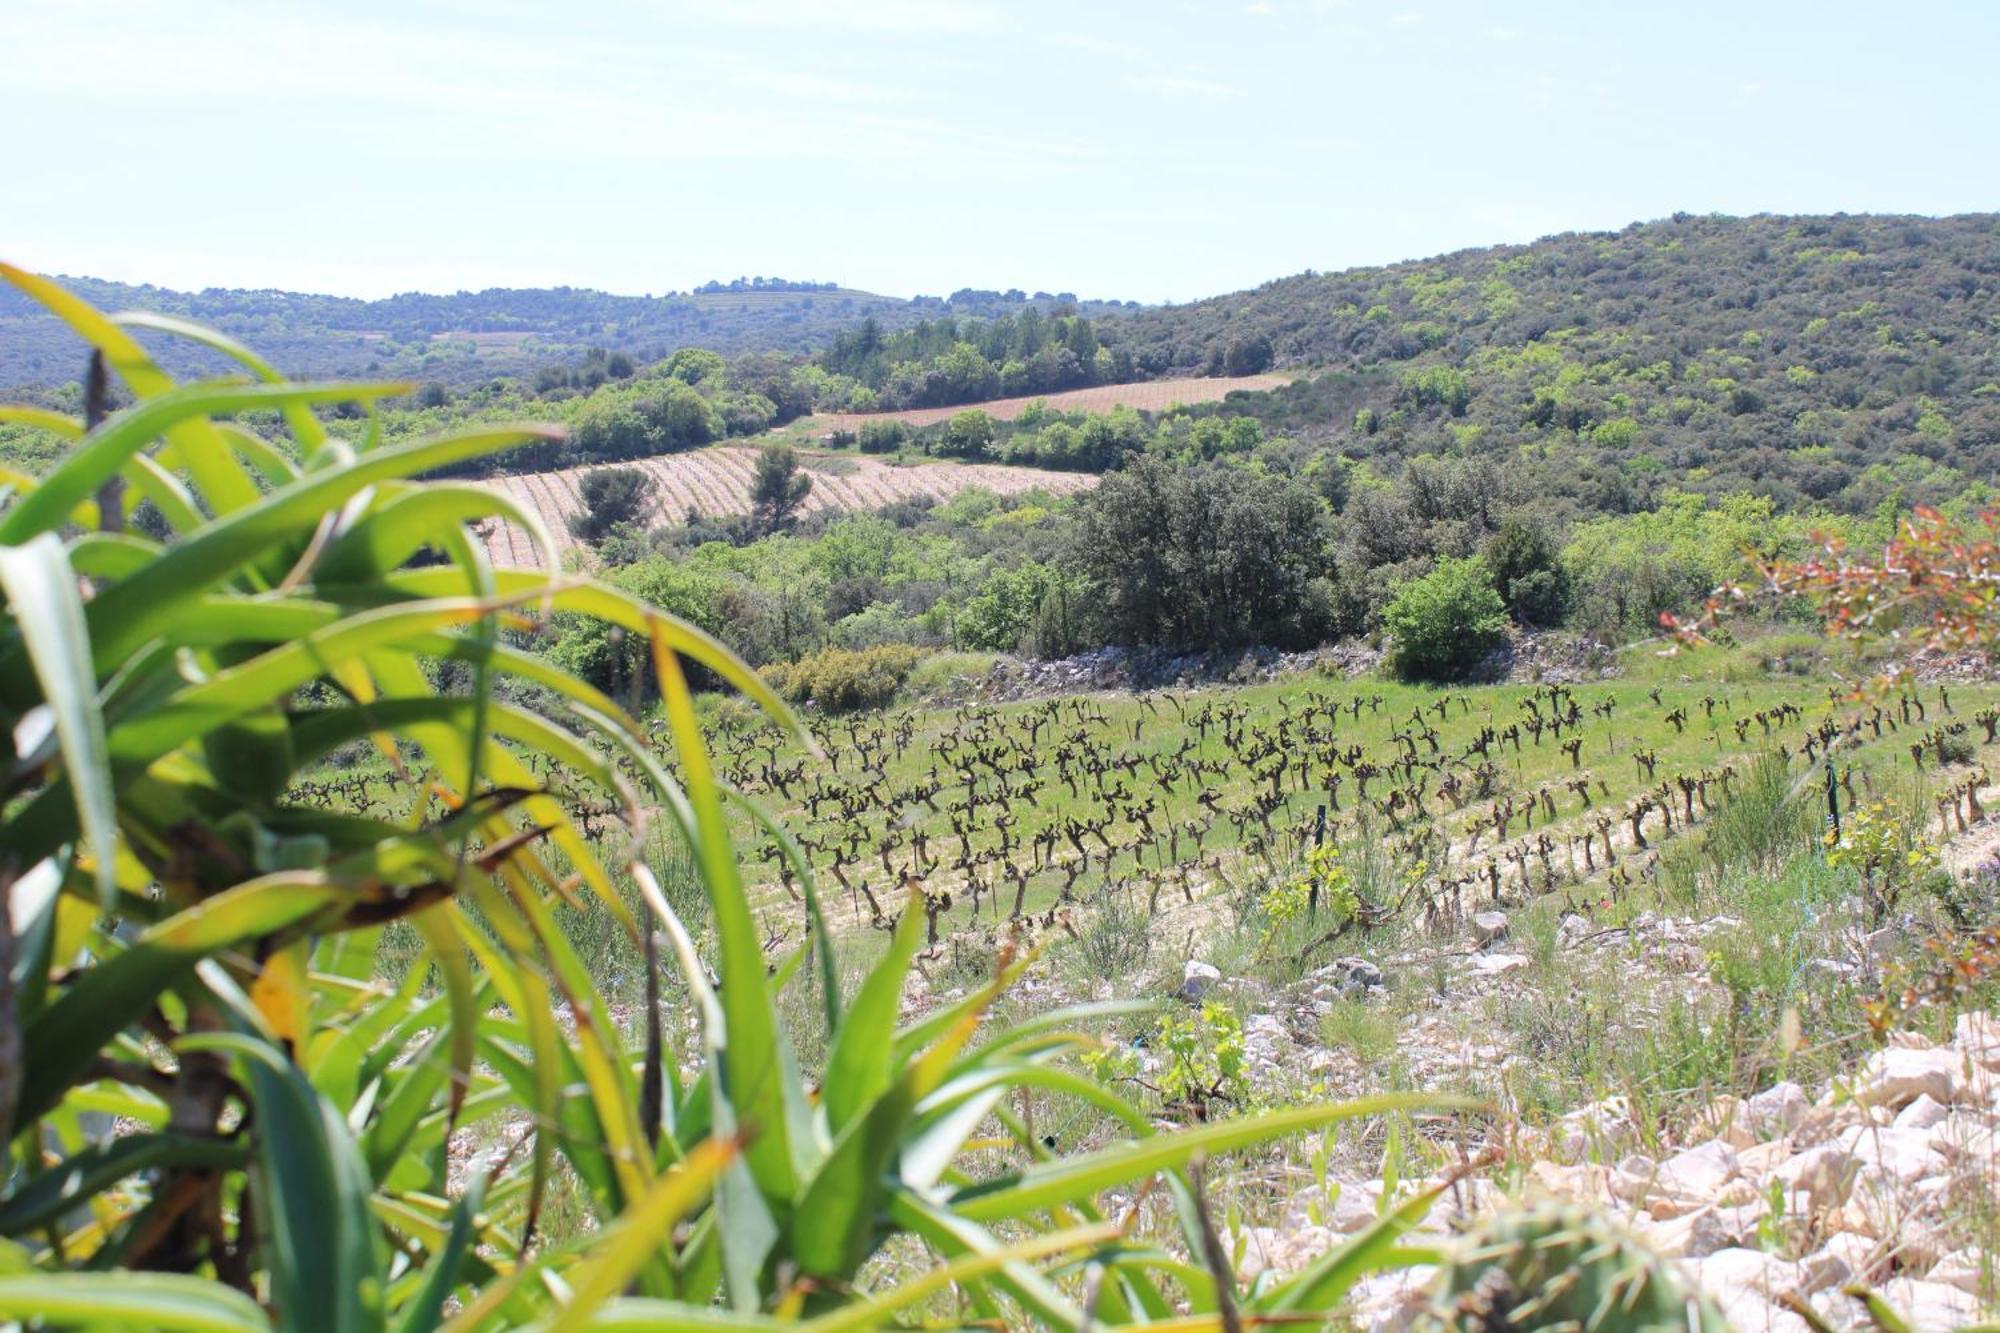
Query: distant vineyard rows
[717, 481]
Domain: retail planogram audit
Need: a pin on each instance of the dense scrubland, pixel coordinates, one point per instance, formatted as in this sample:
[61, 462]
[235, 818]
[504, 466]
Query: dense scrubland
[1284, 870]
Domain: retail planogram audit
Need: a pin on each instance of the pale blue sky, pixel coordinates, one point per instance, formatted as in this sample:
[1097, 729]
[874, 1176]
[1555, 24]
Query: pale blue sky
[1152, 151]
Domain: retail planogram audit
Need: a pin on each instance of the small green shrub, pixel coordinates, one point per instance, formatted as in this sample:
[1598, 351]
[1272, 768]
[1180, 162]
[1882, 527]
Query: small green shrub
[840, 679]
[882, 437]
[1444, 622]
[1886, 845]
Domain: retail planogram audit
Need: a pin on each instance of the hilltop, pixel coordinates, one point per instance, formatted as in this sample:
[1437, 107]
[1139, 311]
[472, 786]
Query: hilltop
[466, 337]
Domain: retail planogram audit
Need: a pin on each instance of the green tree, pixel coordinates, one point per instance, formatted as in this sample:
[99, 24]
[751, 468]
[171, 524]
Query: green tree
[1527, 571]
[1203, 557]
[967, 435]
[1444, 622]
[1248, 356]
[779, 489]
[611, 496]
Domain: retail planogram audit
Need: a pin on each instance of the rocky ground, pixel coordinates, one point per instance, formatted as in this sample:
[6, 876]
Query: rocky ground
[1773, 1203]
[1779, 1201]
[1523, 657]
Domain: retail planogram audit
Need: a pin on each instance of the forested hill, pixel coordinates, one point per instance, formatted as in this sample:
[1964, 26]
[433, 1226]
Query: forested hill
[468, 337]
[1676, 286]
[1840, 361]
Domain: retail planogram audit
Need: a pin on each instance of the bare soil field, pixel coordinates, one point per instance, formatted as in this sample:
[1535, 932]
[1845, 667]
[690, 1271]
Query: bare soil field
[1149, 396]
[716, 481]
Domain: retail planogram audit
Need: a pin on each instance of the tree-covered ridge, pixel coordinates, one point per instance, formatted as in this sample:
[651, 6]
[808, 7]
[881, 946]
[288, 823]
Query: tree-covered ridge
[941, 362]
[1834, 361]
[464, 337]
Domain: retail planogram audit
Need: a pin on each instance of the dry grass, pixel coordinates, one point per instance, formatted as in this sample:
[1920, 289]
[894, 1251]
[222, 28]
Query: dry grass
[1149, 396]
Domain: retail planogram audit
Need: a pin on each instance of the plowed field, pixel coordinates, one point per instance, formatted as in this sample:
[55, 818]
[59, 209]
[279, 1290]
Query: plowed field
[716, 481]
[1149, 396]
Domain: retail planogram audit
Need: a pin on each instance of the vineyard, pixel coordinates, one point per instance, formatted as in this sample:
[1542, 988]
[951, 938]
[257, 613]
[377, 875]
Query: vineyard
[716, 481]
[1453, 801]
[1146, 395]
[1186, 807]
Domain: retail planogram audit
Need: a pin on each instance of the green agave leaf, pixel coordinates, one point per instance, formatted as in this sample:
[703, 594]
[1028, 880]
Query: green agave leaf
[305, 426]
[103, 453]
[389, 534]
[55, 423]
[43, 602]
[167, 1301]
[125, 616]
[635, 1314]
[952, 1235]
[448, 951]
[1034, 1028]
[821, 942]
[270, 461]
[559, 592]
[111, 555]
[750, 1065]
[63, 1039]
[640, 1233]
[1072, 1179]
[857, 1067]
[313, 1190]
[81, 1176]
[873, 1311]
[425, 1310]
[193, 443]
[1325, 1282]
[955, 1110]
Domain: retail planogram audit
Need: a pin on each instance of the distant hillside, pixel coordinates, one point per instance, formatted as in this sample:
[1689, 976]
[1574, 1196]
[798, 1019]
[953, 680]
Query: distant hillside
[471, 336]
[1819, 360]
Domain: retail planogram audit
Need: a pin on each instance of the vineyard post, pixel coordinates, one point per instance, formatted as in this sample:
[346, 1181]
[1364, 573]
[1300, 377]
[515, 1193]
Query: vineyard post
[1832, 800]
[1312, 893]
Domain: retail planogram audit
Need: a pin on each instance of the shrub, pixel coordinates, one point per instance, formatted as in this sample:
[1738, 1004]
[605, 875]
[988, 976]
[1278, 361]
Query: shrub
[882, 437]
[1527, 572]
[1444, 622]
[841, 679]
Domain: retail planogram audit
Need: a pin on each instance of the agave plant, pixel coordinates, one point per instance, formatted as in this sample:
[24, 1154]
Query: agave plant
[220, 1112]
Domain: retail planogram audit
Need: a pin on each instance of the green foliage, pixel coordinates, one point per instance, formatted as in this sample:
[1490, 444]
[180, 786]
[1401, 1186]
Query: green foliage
[778, 488]
[1444, 622]
[1201, 1055]
[966, 435]
[840, 680]
[1323, 885]
[1248, 356]
[656, 417]
[1527, 572]
[1886, 846]
[1033, 606]
[612, 496]
[882, 437]
[611, 659]
[1625, 571]
[1204, 557]
[1558, 1266]
[1438, 386]
[949, 360]
[201, 951]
